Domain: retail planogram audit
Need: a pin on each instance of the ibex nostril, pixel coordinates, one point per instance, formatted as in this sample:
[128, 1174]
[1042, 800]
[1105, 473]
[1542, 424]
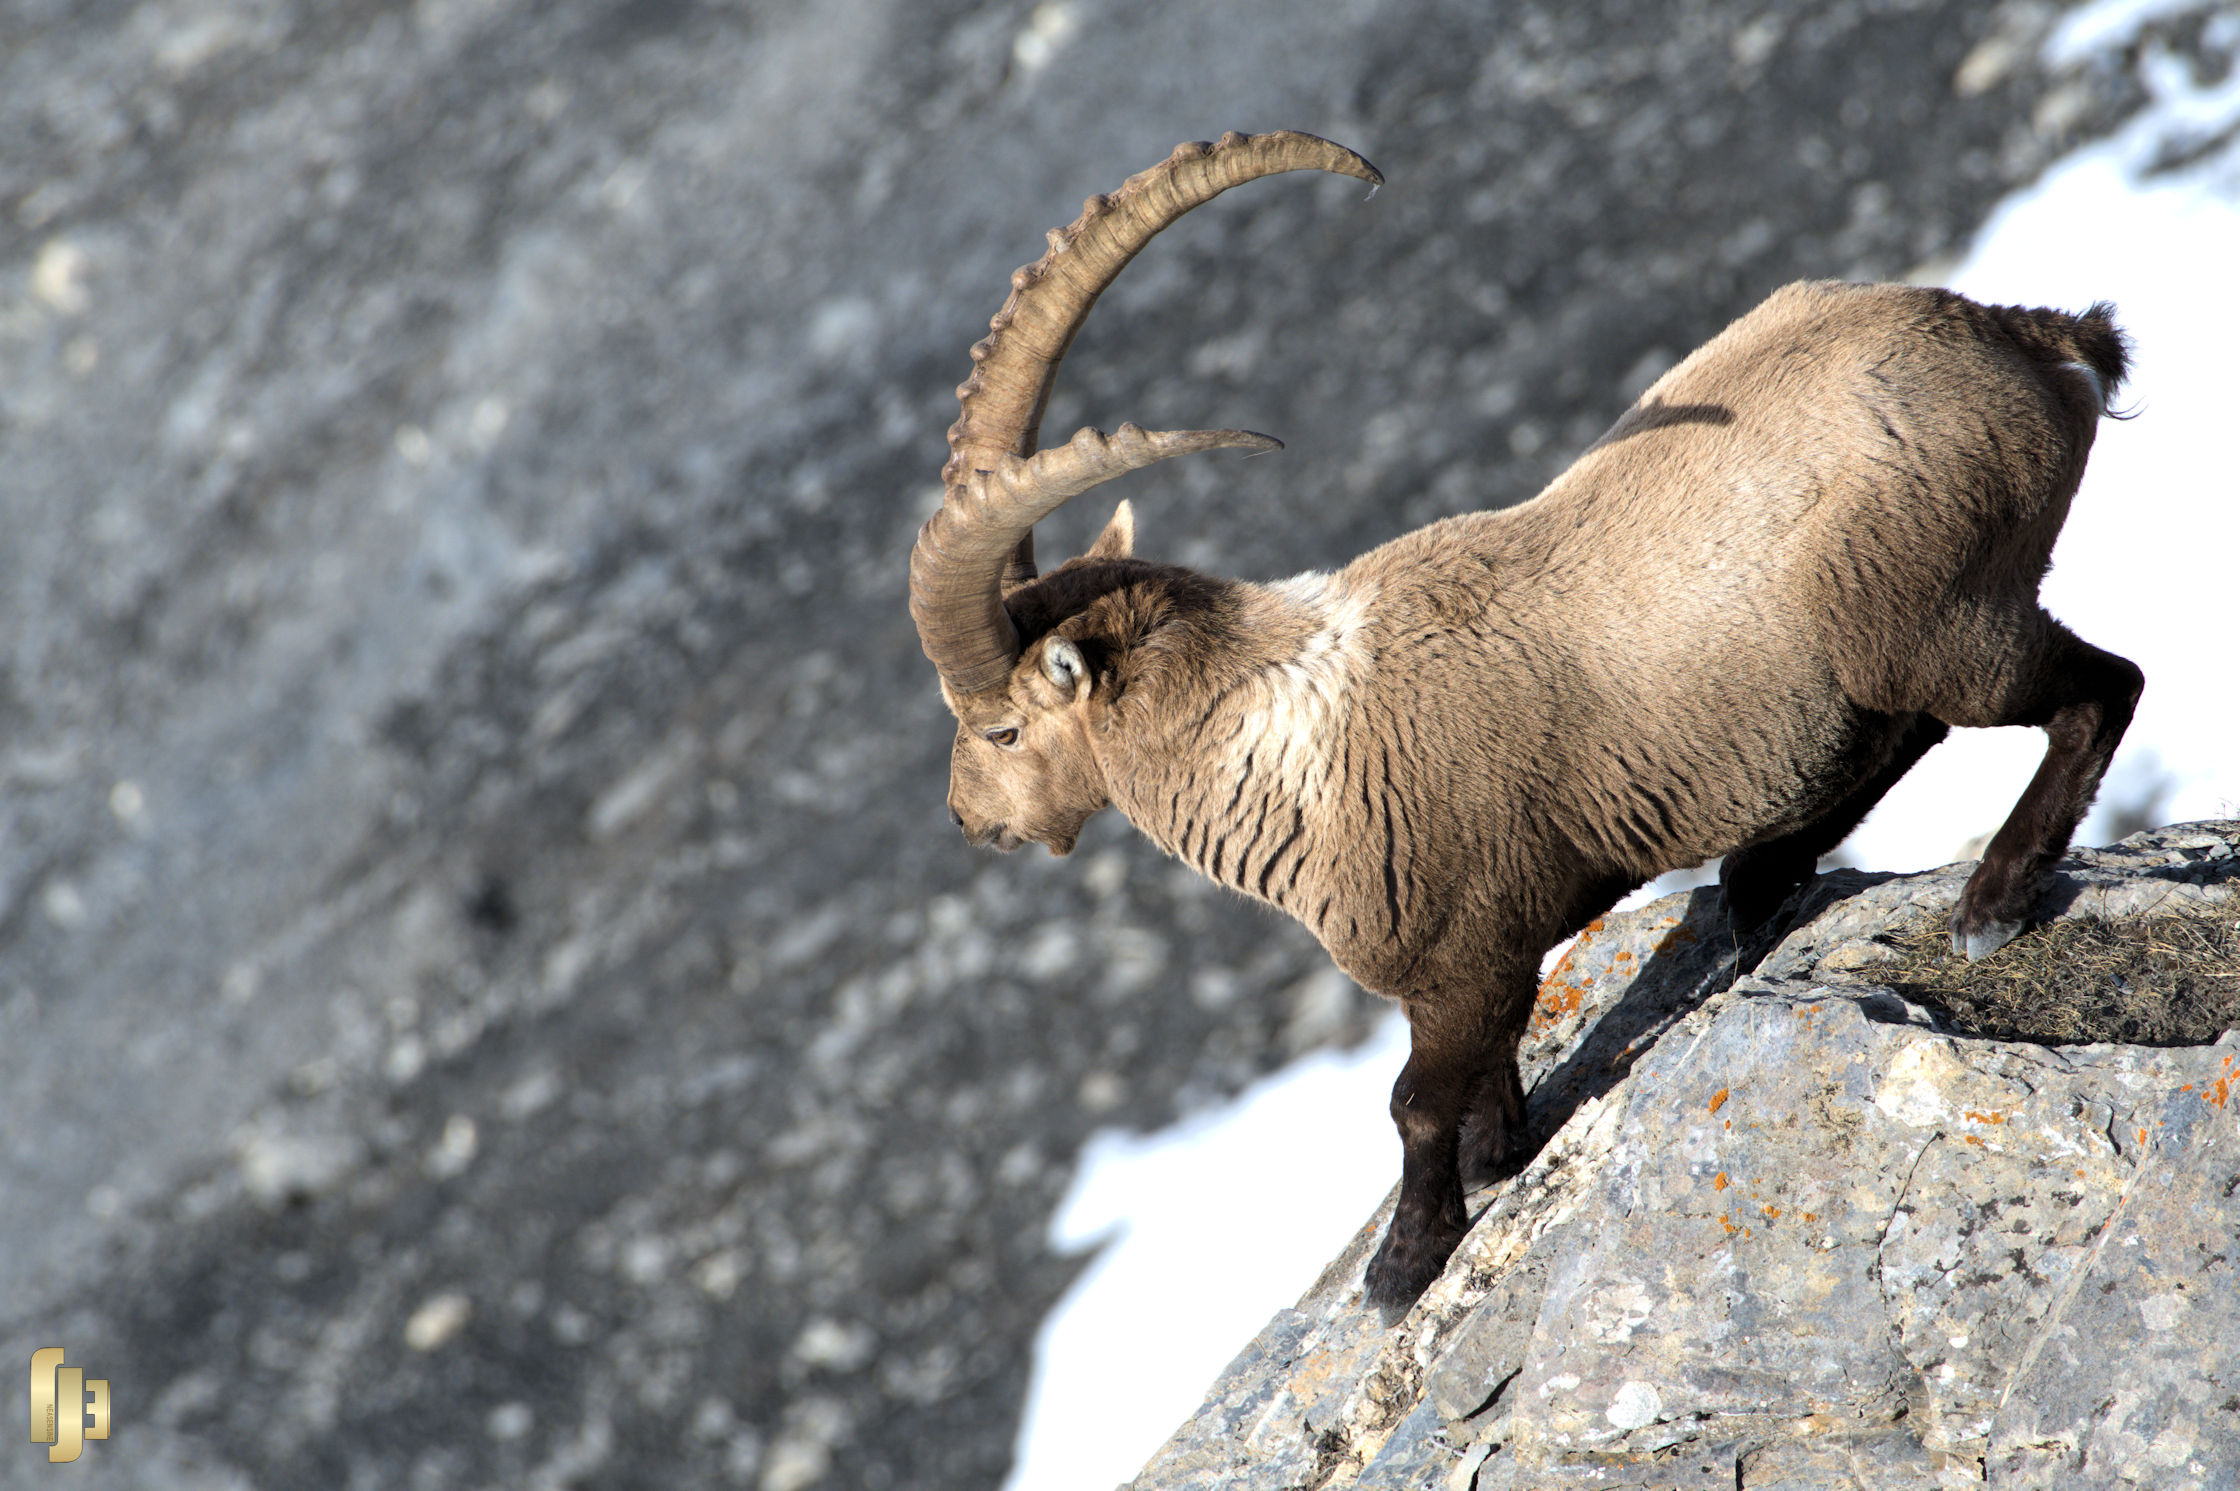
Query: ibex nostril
[956, 817]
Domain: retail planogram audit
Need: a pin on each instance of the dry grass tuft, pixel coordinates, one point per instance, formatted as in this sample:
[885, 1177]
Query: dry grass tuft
[2169, 980]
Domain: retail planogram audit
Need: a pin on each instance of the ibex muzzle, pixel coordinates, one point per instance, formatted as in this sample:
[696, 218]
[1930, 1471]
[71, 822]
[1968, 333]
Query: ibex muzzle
[1746, 611]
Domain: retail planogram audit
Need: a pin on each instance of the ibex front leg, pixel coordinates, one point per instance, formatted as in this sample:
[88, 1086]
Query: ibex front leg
[1462, 1061]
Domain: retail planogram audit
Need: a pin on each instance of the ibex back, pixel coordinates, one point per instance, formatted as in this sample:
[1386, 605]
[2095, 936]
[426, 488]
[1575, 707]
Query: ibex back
[1728, 629]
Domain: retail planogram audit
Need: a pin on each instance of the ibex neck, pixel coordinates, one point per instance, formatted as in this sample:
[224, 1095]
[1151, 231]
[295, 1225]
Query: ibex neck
[1233, 770]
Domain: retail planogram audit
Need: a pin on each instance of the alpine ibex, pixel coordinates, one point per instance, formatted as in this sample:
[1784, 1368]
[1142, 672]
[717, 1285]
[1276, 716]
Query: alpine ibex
[1727, 629]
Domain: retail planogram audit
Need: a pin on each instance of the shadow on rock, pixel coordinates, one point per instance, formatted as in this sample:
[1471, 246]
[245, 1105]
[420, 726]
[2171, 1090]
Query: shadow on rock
[1628, 980]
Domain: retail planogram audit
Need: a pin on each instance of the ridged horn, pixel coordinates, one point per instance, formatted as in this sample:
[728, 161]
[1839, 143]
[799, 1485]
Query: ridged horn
[995, 486]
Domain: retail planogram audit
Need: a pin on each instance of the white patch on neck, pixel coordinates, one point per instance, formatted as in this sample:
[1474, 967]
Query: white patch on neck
[1297, 707]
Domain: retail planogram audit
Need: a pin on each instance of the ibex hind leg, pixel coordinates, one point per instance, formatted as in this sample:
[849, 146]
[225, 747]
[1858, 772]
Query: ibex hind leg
[2082, 698]
[1755, 881]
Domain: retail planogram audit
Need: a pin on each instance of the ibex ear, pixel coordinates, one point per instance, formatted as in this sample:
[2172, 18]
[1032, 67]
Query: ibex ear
[1065, 667]
[1118, 541]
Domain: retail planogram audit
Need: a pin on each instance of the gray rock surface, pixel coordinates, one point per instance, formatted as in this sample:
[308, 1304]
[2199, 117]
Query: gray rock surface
[487, 993]
[1813, 1236]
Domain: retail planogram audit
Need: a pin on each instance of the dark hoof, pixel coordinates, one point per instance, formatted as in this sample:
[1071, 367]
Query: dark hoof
[1405, 1267]
[1754, 890]
[1993, 911]
[1748, 912]
[1983, 939]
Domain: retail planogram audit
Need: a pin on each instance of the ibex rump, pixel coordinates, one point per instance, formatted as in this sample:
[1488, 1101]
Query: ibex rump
[1728, 629]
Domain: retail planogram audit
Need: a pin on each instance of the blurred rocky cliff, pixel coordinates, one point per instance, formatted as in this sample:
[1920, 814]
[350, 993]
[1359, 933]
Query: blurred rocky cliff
[488, 992]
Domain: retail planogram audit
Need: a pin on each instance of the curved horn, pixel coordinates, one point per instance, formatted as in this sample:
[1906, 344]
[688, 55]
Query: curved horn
[995, 486]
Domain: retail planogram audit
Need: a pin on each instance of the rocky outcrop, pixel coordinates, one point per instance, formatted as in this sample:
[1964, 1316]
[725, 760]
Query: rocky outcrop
[1798, 1222]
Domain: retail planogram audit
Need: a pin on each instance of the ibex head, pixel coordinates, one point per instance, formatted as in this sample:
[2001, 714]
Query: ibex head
[1020, 667]
[1022, 769]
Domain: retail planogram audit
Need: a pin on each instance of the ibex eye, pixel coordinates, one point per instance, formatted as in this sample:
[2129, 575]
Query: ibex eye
[1007, 736]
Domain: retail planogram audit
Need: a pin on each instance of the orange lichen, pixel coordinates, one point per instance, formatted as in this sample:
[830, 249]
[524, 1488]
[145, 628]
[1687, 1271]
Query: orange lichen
[1985, 1117]
[1718, 1098]
[1558, 995]
[1672, 941]
[1719, 1181]
[1771, 1210]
